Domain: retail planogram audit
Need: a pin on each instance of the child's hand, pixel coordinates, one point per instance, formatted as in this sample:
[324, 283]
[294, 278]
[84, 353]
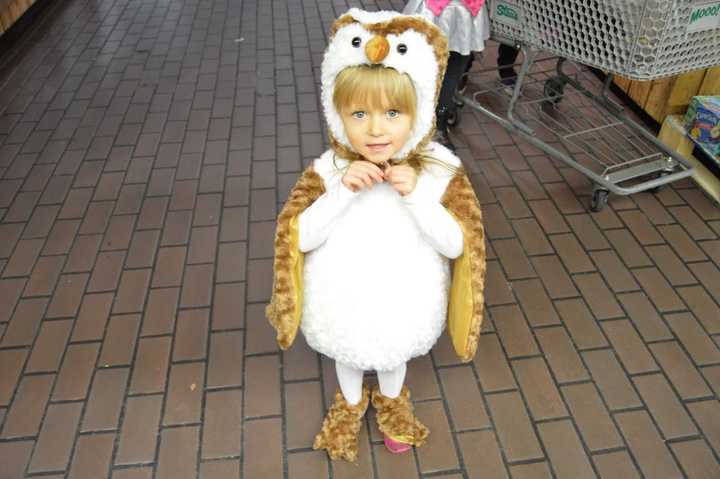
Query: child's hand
[401, 177]
[362, 174]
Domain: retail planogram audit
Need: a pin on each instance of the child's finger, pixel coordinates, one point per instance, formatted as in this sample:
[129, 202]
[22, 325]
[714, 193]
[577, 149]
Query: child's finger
[358, 183]
[375, 176]
[398, 177]
[377, 168]
[373, 171]
[403, 173]
[352, 184]
[360, 179]
[367, 180]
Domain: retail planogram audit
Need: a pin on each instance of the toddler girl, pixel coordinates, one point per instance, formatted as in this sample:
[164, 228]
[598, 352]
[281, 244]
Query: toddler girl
[363, 242]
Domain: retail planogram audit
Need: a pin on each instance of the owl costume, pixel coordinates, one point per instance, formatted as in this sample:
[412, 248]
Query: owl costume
[366, 275]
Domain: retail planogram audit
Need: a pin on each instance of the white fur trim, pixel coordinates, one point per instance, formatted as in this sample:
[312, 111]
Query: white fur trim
[419, 63]
[441, 153]
[329, 166]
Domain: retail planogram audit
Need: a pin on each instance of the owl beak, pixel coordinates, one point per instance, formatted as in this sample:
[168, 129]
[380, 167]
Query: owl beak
[377, 49]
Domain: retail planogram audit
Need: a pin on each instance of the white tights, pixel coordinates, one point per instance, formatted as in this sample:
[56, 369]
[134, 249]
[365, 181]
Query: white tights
[351, 379]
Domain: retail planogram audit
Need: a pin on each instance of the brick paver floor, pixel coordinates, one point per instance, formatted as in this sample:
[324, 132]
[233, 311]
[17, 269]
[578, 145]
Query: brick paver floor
[145, 147]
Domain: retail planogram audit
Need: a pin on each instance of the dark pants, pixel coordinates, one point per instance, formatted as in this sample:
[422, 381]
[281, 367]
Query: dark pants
[506, 58]
[457, 66]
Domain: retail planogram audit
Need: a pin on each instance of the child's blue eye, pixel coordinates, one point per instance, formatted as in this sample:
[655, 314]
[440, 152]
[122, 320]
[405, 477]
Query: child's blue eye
[393, 113]
[358, 114]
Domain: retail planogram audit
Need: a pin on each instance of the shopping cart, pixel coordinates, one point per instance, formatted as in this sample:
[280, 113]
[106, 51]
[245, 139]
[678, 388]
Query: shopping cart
[560, 107]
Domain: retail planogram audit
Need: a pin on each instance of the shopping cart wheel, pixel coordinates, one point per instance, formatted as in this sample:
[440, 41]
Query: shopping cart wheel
[553, 90]
[599, 199]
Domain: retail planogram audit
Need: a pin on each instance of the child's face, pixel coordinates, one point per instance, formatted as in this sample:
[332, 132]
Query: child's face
[376, 133]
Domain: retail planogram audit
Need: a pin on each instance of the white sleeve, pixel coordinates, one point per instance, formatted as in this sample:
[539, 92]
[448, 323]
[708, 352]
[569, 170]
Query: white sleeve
[437, 225]
[316, 222]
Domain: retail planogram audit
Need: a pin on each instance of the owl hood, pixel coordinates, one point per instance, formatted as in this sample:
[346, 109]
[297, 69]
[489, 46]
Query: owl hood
[409, 44]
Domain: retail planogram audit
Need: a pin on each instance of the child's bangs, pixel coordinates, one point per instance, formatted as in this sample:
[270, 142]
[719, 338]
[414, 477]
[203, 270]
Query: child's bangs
[367, 87]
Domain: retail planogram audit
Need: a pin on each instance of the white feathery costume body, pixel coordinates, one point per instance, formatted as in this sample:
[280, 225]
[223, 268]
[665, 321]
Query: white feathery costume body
[366, 275]
[376, 289]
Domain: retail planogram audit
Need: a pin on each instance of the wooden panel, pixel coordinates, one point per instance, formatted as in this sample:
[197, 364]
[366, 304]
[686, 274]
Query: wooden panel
[12, 11]
[15, 11]
[5, 18]
[686, 87]
[639, 91]
[667, 96]
[656, 103]
[711, 82]
[622, 82]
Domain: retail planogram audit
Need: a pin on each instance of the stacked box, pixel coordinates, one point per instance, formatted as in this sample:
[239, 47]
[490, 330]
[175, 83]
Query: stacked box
[702, 122]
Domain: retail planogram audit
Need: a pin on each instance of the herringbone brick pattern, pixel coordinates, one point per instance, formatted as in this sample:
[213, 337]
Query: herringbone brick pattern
[145, 147]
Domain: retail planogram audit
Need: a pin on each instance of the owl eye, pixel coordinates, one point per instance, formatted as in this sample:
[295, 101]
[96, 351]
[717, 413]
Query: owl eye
[402, 49]
[356, 42]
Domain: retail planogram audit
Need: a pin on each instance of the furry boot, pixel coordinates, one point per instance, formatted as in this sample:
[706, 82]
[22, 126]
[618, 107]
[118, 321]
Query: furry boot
[340, 429]
[397, 421]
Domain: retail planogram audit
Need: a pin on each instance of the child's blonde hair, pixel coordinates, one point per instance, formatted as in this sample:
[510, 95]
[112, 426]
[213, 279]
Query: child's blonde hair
[377, 86]
[374, 86]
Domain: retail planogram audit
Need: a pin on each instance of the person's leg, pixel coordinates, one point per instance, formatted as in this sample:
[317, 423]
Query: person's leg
[391, 382]
[455, 69]
[463, 78]
[506, 59]
[350, 381]
[446, 104]
[507, 54]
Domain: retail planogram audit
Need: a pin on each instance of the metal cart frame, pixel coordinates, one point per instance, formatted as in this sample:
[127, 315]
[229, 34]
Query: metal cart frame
[600, 140]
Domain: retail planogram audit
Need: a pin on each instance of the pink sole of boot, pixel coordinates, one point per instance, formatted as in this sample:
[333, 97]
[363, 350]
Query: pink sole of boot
[396, 447]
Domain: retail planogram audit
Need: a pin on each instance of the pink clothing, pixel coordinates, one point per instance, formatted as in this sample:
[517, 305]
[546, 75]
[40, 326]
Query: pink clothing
[437, 6]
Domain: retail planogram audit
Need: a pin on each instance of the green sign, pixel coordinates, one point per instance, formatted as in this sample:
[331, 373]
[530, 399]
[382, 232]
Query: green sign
[507, 13]
[705, 16]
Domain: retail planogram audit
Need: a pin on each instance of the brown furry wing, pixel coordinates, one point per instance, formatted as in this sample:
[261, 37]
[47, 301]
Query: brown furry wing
[465, 310]
[285, 306]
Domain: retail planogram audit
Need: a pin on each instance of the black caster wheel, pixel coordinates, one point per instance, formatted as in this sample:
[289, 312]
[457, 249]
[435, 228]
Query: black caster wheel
[599, 199]
[553, 90]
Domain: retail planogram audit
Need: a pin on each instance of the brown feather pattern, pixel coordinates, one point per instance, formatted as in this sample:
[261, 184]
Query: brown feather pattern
[281, 309]
[396, 417]
[460, 200]
[341, 427]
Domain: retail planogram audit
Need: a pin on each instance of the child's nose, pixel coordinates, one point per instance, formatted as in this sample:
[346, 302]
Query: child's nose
[375, 125]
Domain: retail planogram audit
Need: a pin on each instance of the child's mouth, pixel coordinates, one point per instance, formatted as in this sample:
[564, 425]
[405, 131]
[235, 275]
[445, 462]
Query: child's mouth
[377, 147]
